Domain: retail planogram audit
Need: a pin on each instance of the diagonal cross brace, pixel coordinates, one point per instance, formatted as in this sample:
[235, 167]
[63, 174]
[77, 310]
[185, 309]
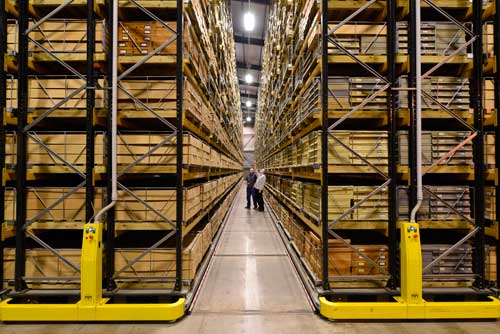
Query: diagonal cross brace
[350, 17]
[357, 60]
[450, 250]
[50, 151]
[451, 152]
[48, 16]
[448, 57]
[359, 156]
[61, 62]
[145, 252]
[147, 108]
[137, 198]
[448, 205]
[153, 16]
[147, 57]
[357, 251]
[147, 154]
[358, 204]
[55, 107]
[53, 205]
[449, 17]
[359, 106]
[53, 251]
[448, 110]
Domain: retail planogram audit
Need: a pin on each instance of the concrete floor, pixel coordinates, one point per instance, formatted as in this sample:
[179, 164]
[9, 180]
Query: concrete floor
[251, 288]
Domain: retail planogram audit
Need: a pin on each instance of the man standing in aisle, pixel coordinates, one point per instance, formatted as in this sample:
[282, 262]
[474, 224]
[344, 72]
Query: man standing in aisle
[259, 188]
[251, 179]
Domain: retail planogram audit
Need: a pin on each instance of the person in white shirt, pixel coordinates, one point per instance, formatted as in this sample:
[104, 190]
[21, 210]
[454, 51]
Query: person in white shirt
[259, 188]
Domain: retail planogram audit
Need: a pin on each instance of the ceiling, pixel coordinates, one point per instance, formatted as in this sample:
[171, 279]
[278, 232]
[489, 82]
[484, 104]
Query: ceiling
[249, 46]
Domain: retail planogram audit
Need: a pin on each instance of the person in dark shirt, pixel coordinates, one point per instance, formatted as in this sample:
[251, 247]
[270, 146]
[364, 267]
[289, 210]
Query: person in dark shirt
[251, 179]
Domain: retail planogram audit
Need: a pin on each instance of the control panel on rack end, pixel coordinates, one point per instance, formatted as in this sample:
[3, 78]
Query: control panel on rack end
[412, 232]
[90, 233]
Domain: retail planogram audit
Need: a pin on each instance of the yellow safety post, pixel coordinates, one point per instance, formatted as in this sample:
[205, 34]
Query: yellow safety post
[90, 275]
[411, 271]
[411, 304]
[92, 306]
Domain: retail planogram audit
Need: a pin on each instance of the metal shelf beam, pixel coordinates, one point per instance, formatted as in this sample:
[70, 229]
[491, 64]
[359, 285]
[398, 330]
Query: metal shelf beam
[497, 127]
[180, 183]
[324, 143]
[392, 143]
[90, 135]
[21, 138]
[109, 271]
[476, 89]
[412, 145]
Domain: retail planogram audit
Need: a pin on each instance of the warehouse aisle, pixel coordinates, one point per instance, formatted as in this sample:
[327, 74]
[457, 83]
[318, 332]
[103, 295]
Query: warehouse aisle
[251, 272]
[251, 288]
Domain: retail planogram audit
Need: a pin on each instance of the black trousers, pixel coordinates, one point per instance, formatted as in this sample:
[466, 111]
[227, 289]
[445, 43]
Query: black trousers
[260, 198]
[251, 195]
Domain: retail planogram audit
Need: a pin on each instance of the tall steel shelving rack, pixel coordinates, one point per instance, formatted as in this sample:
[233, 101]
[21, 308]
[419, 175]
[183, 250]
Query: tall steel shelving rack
[3, 89]
[388, 180]
[497, 128]
[474, 46]
[175, 129]
[25, 129]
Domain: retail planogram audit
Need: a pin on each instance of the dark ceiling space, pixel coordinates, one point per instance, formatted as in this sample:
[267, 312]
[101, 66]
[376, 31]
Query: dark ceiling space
[249, 46]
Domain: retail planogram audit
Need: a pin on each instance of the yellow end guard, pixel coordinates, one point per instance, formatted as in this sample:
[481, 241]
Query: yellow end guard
[91, 307]
[410, 305]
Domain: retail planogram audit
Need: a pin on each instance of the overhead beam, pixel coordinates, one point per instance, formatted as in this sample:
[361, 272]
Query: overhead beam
[244, 107]
[248, 40]
[244, 98]
[243, 102]
[243, 83]
[248, 96]
[261, 2]
[249, 66]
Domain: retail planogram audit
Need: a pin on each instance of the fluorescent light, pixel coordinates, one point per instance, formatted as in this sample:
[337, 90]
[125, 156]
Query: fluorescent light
[248, 78]
[249, 119]
[248, 21]
[249, 104]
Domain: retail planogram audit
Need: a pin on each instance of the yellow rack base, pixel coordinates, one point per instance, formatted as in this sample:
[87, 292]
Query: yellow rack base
[410, 305]
[102, 312]
[401, 310]
[92, 306]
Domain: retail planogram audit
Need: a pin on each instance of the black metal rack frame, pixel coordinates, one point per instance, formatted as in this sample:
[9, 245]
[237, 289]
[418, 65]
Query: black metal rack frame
[476, 81]
[392, 145]
[3, 91]
[390, 178]
[90, 82]
[110, 215]
[179, 195]
[24, 127]
[89, 77]
[497, 127]
[177, 131]
[22, 111]
[479, 256]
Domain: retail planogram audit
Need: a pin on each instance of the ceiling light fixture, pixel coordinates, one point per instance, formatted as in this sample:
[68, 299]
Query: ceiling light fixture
[249, 104]
[248, 78]
[249, 21]
[249, 119]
